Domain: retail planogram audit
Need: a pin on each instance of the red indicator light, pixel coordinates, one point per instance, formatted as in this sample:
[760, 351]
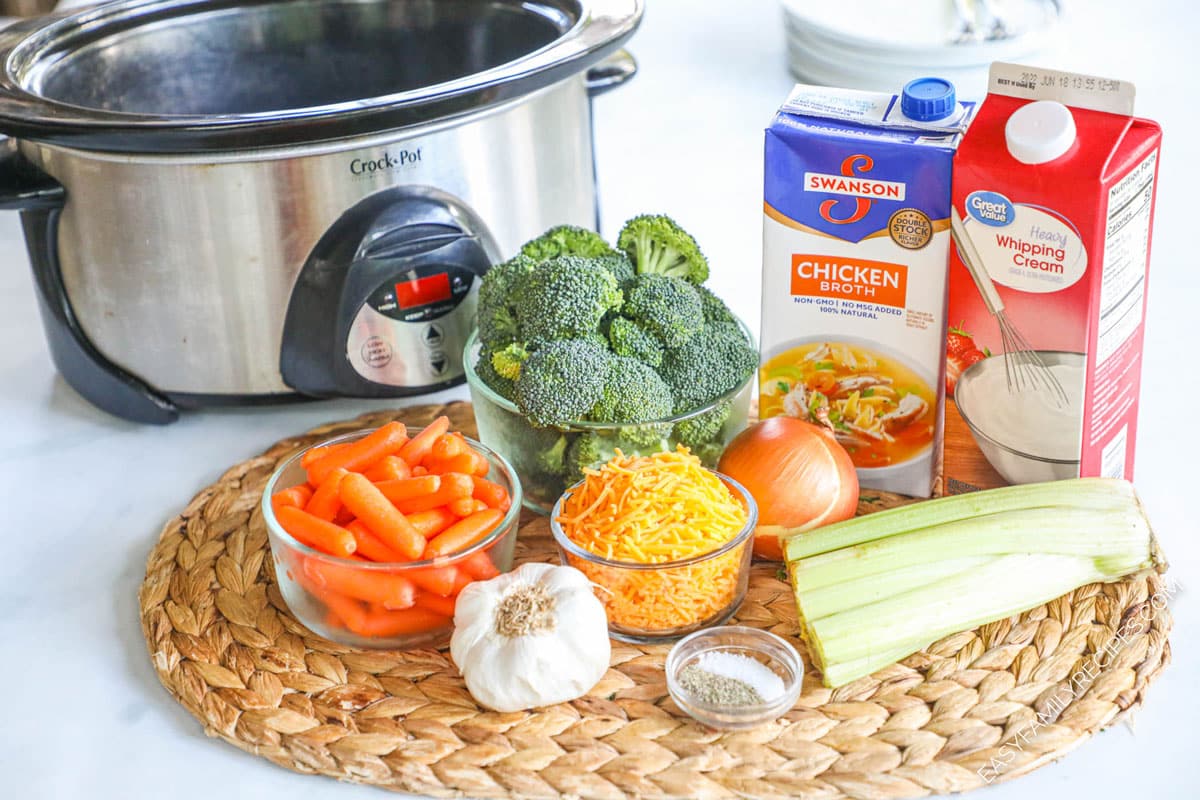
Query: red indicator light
[423, 291]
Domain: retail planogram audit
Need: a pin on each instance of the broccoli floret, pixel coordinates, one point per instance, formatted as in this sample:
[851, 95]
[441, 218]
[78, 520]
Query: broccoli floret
[590, 450]
[633, 393]
[627, 338]
[619, 265]
[567, 240]
[708, 365]
[658, 246]
[497, 320]
[550, 459]
[703, 428]
[565, 298]
[715, 309]
[709, 453]
[668, 307]
[497, 327]
[502, 386]
[507, 362]
[562, 380]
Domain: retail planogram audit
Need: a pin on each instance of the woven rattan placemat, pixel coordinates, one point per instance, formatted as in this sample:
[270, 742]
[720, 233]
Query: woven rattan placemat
[980, 706]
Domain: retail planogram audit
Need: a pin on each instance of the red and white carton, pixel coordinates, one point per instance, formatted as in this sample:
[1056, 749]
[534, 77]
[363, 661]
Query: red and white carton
[1053, 201]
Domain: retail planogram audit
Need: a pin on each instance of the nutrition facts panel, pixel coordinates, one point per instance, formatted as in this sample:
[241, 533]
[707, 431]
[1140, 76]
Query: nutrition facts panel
[1126, 242]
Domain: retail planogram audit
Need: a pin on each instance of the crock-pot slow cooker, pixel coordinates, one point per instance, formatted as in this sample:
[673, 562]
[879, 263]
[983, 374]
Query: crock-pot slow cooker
[237, 200]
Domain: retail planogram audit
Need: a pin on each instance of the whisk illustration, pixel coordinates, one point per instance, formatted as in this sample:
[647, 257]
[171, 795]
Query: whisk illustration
[1023, 367]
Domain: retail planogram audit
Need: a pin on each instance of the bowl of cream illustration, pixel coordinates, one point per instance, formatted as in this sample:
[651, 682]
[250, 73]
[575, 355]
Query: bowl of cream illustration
[1024, 434]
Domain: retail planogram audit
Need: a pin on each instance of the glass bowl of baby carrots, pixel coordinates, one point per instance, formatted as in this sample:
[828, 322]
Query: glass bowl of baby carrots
[375, 533]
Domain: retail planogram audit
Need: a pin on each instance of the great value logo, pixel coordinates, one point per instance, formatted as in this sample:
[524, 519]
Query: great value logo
[852, 183]
[991, 208]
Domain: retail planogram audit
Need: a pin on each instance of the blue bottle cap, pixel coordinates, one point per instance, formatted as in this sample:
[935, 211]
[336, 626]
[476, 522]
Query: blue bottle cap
[928, 99]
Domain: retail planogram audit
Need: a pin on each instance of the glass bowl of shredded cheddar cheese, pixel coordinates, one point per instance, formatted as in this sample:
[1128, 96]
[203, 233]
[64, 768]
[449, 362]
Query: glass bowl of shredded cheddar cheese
[666, 541]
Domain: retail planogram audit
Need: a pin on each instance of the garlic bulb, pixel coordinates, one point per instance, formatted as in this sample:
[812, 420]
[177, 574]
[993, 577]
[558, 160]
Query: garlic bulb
[532, 637]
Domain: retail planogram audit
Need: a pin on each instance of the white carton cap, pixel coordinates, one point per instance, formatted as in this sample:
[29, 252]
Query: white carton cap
[1040, 131]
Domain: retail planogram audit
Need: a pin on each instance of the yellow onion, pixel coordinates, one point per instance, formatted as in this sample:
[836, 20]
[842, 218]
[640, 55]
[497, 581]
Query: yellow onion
[798, 474]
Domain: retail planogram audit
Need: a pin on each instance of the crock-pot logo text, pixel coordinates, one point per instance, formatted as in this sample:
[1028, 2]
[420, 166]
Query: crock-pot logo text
[396, 159]
[865, 191]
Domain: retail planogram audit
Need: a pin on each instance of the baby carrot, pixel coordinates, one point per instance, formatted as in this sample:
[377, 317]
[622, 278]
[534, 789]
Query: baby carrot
[314, 453]
[435, 603]
[325, 502]
[479, 566]
[420, 445]
[462, 579]
[468, 463]
[316, 532]
[360, 454]
[418, 471]
[381, 517]
[347, 612]
[398, 623]
[464, 506]
[297, 496]
[439, 580]
[390, 591]
[447, 446]
[432, 522]
[391, 468]
[370, 545]
[491, 493]
[464, 533]
[407, 488]
[453, 486]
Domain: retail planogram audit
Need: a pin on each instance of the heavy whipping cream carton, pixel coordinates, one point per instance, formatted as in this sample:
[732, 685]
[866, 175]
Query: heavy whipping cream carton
[1054, 197]
[855, 245]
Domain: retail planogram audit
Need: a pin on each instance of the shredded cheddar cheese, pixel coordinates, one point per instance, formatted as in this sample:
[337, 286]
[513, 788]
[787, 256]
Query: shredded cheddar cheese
[655, 510]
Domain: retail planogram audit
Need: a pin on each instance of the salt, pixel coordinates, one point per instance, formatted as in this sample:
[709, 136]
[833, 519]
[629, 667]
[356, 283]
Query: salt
[754, 674]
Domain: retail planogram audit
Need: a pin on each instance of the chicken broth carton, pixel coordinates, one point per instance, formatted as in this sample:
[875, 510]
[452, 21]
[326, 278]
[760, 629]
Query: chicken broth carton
[1053, 202]
[855, 246]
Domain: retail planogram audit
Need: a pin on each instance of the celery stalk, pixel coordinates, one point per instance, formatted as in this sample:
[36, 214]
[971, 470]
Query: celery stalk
[1092, 492]
[873, 590]
[1005, 586]
[852, 593]
[1063, 530]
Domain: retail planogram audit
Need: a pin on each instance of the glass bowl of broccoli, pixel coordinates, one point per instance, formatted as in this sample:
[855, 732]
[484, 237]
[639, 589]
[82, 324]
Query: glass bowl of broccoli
[583, 348]
[551, 457]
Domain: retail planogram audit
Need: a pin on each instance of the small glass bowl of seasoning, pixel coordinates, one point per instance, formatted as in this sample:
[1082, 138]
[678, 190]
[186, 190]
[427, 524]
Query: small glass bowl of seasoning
[734, 677]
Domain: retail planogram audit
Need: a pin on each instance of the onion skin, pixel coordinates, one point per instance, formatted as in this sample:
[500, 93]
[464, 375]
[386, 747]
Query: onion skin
[798, 474]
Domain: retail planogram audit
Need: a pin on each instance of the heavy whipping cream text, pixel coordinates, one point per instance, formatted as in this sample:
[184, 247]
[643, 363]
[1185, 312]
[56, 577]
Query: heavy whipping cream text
[1025, 253]
[855, 246]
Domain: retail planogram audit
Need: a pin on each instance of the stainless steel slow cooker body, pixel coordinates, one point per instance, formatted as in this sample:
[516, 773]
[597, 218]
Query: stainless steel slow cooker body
[228, 201]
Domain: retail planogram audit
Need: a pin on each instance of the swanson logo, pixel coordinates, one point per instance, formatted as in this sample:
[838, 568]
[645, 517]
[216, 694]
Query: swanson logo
[852, 184]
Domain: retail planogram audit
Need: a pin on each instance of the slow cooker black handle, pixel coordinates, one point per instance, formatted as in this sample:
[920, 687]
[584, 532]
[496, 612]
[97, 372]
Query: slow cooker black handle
[40, 199]
[613, 71]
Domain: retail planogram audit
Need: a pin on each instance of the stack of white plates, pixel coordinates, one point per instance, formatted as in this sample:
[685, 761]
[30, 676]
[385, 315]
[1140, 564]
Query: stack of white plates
[883, 44]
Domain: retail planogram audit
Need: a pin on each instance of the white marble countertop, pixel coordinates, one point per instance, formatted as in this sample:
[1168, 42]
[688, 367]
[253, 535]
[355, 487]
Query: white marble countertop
[84, 495]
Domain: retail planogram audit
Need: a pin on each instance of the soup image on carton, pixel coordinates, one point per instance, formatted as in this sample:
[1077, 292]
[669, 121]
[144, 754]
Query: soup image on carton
[855, 246]
[1053, 203]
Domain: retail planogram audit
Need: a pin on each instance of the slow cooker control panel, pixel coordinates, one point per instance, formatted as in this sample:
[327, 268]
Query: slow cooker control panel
[413, 327]
[385, 301]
